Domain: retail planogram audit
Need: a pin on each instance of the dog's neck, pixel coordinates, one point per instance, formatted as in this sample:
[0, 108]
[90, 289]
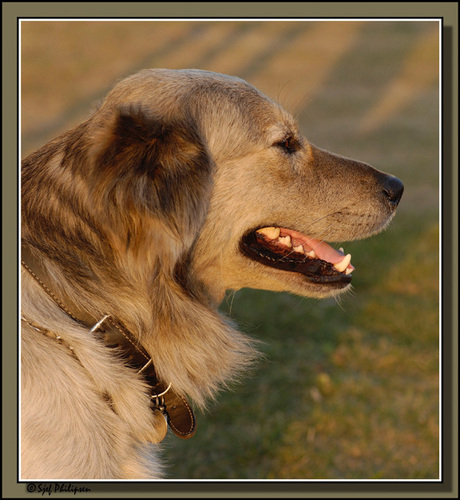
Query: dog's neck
[114, 335]
[172, 330]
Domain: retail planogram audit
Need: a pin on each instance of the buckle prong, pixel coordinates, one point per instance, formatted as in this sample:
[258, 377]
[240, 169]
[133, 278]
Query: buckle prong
[149, 362]
[99, 323]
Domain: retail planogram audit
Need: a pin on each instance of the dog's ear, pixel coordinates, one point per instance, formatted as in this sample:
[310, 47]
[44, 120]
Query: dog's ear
[148, 167]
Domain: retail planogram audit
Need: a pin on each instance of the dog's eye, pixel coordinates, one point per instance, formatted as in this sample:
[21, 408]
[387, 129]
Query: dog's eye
[289, 145]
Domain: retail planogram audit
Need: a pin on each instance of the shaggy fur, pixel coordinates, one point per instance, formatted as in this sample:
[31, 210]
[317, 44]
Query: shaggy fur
[141, 211]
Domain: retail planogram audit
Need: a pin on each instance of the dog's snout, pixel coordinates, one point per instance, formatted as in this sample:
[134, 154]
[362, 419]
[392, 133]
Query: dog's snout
[393, 189]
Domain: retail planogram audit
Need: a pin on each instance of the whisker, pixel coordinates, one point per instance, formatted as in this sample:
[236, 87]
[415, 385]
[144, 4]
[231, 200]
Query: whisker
[232, 295]
[338, 301]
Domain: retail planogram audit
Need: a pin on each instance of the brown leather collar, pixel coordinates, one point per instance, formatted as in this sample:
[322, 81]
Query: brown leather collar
[114, 334]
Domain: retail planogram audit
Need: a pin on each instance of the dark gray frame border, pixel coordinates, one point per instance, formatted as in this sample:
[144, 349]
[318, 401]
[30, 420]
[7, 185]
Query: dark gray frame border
[448, 11]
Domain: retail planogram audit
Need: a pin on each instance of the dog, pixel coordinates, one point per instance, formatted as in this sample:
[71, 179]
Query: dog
[182, 185]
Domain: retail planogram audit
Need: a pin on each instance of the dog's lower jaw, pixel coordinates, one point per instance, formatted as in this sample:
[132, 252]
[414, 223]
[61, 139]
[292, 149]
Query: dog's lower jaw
[319, 290]
[297, 284]
[254, 275]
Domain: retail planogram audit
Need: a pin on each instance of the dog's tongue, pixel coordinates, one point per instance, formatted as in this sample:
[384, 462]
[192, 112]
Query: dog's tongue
[325, 251]
[301, 245]
[322, 250]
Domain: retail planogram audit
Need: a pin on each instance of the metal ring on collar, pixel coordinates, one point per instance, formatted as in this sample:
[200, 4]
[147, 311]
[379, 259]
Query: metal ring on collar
[162, 393]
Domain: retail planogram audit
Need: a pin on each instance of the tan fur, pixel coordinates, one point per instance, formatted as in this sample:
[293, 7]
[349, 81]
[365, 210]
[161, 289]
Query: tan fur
[140, 211]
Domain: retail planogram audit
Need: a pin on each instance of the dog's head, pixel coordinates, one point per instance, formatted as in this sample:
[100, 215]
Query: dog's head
[184, 184]
[226, 183]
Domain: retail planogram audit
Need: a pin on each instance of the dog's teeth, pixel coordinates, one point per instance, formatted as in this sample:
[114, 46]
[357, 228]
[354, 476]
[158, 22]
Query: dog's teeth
[341, 266]
[270, 232]
[286, 241]
[299, 249]
[348, 271]
[311, 254]
[341, 250]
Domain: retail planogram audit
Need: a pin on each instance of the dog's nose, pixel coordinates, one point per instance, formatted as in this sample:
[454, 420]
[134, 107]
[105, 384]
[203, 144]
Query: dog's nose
[393, 189]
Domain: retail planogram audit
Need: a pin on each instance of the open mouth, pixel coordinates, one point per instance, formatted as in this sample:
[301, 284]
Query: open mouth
[288, 250]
